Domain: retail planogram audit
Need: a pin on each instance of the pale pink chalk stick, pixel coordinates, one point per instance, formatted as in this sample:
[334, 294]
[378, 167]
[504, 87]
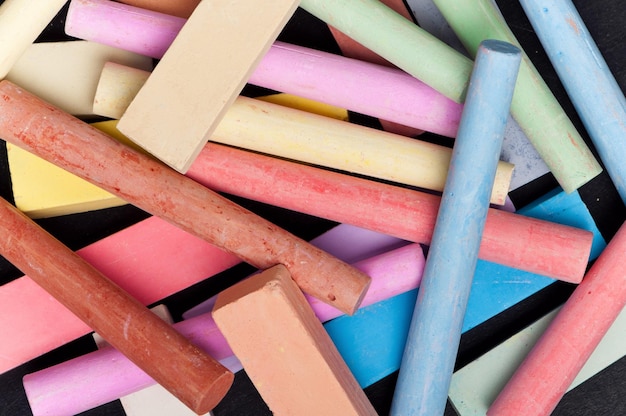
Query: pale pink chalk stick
[105, 375]
[547, 372]
[139, 259]
[391, 94]
[36, 126]
[509, 239]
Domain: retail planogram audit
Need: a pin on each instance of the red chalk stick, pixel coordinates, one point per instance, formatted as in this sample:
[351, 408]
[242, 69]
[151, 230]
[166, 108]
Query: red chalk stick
[554, 362]
[513, 240]
[180, 8]
[139, 259]
[30, 123]
[195, 378]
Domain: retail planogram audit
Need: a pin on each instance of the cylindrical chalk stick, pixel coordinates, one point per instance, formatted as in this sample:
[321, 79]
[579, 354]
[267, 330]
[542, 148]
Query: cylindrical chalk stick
[117, 86]
[598, 99]
[299, 135]
[536, 110]
[96, 20]
[534, 106]
[104, 375]
[435, 330]
[20, 25]
[551, 366]
[34, 125]
[181, 8]
[194, 377]
[305, 72]
[540, 247]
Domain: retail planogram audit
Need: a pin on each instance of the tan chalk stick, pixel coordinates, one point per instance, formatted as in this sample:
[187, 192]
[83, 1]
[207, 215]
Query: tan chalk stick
[285, 350]
[66, 73]
[36, 126]
[181, 102]
[21, 22]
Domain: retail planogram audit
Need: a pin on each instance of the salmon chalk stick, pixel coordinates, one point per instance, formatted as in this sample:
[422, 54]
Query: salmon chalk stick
[101, 376]
[194, 377]
[435, 330]
[300, 135]
[291, 69]
[509, 239]
[175, 133]
[180, 8]
[534, 106]
[395, 38]
[553, 363]
[54, 135]
[591, 86]
[20, 24]
[284, 349]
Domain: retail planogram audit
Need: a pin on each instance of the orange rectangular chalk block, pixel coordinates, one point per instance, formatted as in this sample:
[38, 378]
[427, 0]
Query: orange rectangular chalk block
[200, 75]
[285, 350]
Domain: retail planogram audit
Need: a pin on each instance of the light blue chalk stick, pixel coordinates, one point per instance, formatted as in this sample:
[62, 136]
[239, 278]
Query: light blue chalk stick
[591, 86]
[435, 330]
[372, 340]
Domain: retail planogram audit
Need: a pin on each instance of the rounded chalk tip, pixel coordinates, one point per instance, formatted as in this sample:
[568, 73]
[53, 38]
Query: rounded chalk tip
[208, 399]
[499, 46]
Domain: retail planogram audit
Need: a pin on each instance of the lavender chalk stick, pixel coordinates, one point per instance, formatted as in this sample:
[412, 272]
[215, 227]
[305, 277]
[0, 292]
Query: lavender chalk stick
[591, 86]
[435, 330]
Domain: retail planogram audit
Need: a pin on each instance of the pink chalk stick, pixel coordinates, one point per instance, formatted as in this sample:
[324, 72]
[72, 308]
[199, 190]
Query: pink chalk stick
[126, 27]
[554, 362]
[509, 239]
[139, 259]
[105, 375]
[391, 94]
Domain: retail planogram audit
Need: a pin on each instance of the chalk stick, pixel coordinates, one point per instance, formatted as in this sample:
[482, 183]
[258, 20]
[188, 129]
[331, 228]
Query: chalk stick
[72, 71]
[139, 259]
[548, 370]
[545, 123]
[291, 360]
[78, 147]
[194, 377]
[435, 330]
[429, 18]
[494, 289]
[176, 133]
[305, 104]
[393, 37]
[557, 251]
[292, 69]
[179, 8]
[596, 95]
[21, 24]
[85, 382]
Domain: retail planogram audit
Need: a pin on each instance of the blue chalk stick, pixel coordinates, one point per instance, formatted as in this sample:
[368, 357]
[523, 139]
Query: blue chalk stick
[591, 86]
[435, 330]
[372, 340]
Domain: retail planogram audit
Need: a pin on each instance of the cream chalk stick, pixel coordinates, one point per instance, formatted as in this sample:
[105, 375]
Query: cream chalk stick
[228, 37]
[302, 136]
[284, 348]
[66, 73]
[21, 22]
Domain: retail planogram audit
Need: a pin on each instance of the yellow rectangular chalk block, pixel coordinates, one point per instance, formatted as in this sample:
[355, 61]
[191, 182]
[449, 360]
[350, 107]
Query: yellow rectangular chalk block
[66, 74]
[284, 348]
[200, 75]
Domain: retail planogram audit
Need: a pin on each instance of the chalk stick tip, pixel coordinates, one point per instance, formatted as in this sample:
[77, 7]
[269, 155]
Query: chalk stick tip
[500, 46]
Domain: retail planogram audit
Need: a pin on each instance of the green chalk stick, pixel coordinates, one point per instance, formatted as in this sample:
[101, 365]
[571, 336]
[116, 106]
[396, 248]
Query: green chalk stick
[534, 106]
[425, 57]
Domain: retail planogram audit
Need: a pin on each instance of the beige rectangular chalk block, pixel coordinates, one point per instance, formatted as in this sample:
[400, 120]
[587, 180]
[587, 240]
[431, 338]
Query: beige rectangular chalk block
[200, 75]
[285, 350]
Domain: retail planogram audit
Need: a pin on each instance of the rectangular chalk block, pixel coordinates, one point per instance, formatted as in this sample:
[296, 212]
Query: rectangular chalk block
[181, 103]
[284, 349]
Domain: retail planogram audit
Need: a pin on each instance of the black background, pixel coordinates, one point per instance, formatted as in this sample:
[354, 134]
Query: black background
[601, 395]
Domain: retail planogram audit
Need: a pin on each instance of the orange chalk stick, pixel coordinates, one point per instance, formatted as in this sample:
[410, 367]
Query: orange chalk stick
[513, 240]
[56, 136]
[196, 379]
[180, 8]
[285, 350]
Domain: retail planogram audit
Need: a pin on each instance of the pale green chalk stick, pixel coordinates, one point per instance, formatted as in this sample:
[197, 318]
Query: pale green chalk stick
[534, 106]
[422, 55]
